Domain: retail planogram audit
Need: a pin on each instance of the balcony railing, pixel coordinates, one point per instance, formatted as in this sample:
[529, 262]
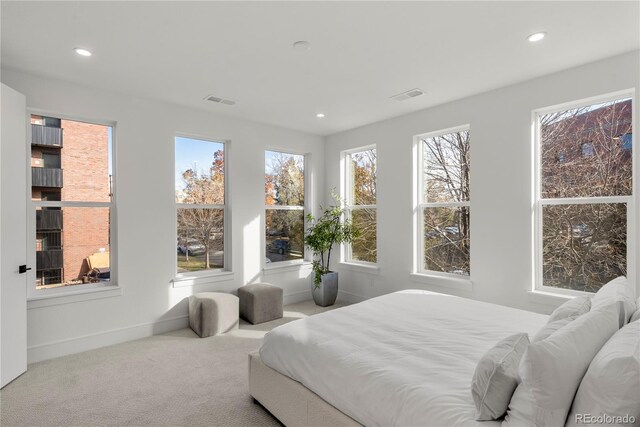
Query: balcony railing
[46, 177]
[47, 260]
[49, 219]
[46, 135]
[48, 240]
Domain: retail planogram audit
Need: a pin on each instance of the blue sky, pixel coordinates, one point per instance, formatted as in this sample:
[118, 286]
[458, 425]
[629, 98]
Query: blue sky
[193, 152]
[270, 155]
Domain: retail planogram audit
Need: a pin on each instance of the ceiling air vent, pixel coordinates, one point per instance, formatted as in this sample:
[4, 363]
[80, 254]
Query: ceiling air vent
[219, 100]
[408, 94]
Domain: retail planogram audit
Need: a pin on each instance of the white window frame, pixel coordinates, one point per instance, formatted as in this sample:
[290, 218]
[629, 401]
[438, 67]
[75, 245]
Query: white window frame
[34, 296]
[347, 195]
[420, 205]
[305, 209]
[224, 273]
[539, 202]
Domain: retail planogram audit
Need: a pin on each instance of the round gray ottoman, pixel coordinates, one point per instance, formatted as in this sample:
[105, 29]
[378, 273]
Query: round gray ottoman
[213, 313]
[260, 302]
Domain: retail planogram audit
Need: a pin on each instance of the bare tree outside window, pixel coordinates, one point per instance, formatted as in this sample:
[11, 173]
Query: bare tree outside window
[200, 199]
[585, 188]
[360, 203]
[284, 206]
[445, 202]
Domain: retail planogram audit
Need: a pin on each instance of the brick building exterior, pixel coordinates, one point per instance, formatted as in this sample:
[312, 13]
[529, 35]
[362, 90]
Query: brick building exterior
[581, 153]
[586, 157]
[70, 162]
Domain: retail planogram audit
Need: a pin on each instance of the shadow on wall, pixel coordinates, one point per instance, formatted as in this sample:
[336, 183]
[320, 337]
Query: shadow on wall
[178, 301]
[249, 268]
[177, 313]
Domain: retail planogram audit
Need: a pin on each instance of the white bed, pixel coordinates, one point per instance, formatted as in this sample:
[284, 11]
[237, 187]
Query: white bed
[403, 359]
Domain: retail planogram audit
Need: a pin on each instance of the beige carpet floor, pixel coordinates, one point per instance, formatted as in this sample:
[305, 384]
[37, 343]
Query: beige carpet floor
[173, 379]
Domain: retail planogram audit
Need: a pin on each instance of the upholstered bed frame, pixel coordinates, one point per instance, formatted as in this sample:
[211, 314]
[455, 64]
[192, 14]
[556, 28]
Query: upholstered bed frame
[289, 401]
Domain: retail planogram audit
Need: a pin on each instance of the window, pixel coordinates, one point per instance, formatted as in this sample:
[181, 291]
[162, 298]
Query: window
[72, 196]
[443, 202]
[626, 141]
[586, 149]
[200, 205]
[360, 203]
[582, 204]
[284, 188]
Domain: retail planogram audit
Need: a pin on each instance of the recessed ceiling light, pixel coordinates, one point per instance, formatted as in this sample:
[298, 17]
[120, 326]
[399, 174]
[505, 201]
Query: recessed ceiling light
[536, 37]
[82, 52]
[302, 45]
[320, 115]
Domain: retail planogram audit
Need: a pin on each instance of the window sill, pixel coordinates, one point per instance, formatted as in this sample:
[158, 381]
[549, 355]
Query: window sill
[369, 268]
[548, 298]
[442, 281]
[48, 299]
[185, 281]
[281, 267]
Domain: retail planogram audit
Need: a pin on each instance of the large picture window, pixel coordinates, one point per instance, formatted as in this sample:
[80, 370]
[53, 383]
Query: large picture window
[584, 193]
[200, 203]
[444, 202]
[360, 203]
[284, 189]
[72, 196]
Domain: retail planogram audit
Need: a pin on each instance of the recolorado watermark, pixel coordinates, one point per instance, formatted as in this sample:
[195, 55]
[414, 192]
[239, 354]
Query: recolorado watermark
[604, 419]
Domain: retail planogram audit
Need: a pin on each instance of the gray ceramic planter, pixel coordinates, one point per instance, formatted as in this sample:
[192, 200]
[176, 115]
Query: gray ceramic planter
[326, 293]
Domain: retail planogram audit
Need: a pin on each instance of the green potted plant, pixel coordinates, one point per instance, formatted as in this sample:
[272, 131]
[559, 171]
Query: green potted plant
[329, 229]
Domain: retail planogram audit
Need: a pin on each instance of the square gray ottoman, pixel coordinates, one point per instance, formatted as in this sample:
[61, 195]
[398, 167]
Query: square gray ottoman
[213, 313]
[260, 302]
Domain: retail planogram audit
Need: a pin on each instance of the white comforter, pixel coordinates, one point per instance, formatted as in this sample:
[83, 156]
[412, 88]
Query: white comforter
[403, 359]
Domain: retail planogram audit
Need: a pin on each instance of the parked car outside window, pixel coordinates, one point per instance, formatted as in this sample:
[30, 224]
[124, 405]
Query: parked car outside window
[280, 246]
[194, 247]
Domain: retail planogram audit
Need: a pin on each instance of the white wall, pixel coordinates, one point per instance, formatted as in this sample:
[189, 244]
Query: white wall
[146, 248]
[501, 199]
[501, 182]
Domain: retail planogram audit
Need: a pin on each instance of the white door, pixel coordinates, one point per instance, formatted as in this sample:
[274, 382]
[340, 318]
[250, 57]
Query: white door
[13, 235]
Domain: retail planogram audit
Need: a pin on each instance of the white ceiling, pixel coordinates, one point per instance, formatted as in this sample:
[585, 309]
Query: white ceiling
[362, 52]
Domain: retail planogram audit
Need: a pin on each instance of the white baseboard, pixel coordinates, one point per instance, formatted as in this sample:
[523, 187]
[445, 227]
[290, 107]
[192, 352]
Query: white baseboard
[349, 297]
[67, 346]
[296, 297]
[40, 352]
[306, 295]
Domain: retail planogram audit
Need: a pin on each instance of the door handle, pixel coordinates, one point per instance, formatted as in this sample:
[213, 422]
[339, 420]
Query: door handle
[23, 269]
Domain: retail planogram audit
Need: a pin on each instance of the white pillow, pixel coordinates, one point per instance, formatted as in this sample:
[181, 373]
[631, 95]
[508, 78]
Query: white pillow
[636, 314]
[619, 291]
[551, 327]
[611, 386]
[496, 377]
[574, 307]
[551, 370]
